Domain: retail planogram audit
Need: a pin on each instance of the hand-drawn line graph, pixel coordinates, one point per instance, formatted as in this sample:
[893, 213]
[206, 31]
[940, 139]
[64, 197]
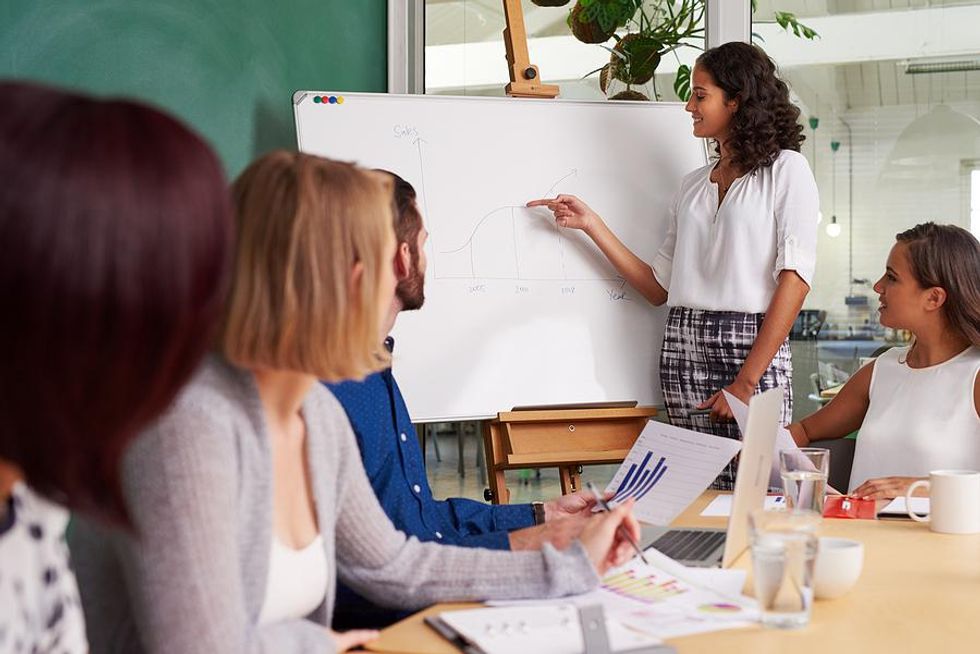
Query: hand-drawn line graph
[639, 481]
[514, 243]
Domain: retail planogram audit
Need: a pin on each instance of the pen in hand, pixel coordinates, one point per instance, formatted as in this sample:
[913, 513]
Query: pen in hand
[604, 506]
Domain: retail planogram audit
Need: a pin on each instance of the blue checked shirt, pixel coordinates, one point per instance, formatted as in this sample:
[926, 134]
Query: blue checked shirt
[394, 464]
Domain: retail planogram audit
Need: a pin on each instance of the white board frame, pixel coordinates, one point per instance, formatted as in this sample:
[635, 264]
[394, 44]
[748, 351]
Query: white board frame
[580, 394]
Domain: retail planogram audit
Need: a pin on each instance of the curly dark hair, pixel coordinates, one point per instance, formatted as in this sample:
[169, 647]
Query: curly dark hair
[766, 120]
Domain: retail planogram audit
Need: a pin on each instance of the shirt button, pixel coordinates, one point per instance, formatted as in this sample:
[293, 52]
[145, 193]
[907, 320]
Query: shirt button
[438, 535]
[417, 488]
[404, 437]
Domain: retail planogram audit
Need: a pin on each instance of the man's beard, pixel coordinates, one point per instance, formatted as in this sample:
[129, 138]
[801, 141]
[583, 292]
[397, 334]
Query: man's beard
[411, 290]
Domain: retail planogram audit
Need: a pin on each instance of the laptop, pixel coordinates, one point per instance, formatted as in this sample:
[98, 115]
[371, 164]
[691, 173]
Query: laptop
[711, 548]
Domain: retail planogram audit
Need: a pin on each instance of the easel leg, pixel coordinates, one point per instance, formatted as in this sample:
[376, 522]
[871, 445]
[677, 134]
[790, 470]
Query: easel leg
[570, 481]
[495, 476]
[460, 465]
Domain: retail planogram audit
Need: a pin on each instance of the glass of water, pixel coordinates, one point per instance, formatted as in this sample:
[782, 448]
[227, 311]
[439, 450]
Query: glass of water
[804, 472]
[784, 549]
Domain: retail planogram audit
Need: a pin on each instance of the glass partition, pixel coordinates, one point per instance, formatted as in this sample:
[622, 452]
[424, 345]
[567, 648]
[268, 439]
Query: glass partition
[890, 95]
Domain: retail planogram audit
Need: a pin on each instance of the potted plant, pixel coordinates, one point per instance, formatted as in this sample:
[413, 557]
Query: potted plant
[596, 21]
[654, 29]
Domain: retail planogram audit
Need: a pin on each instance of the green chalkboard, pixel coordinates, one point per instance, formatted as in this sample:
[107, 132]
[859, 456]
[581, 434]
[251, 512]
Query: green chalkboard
[227, 67]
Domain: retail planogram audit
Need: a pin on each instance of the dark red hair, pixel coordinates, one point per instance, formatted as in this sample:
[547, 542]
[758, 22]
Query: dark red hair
[115, 226]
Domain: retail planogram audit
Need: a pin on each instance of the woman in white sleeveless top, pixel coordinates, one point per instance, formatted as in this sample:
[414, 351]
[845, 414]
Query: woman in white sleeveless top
[917, 407]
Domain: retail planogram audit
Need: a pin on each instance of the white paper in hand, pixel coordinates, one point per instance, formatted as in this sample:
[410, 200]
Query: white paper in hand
[668, 468]
[784, 440]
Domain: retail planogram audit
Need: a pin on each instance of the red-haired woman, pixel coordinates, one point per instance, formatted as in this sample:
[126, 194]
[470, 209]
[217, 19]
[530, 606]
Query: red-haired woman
[116, 232]
[740, 250]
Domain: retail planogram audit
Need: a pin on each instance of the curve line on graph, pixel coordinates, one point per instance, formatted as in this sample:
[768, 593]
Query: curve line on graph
[482, 220]
[477, 228]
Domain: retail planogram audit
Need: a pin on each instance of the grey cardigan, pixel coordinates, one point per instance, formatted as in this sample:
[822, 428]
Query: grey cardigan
[199, 487]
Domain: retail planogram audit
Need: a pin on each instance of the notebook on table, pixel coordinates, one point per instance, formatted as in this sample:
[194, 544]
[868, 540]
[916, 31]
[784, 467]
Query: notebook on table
[540, 629]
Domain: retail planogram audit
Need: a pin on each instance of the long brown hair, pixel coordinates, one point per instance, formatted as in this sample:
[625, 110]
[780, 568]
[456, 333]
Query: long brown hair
[948, 256]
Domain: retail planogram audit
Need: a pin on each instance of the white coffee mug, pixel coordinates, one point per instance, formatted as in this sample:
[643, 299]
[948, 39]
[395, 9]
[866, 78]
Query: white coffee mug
[954, 501]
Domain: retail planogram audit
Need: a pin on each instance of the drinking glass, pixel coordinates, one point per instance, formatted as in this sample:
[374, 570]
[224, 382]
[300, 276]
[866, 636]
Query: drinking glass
[784, 548]
[804, 472]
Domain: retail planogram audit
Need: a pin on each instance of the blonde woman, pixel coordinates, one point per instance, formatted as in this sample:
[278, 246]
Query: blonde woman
[249, 497]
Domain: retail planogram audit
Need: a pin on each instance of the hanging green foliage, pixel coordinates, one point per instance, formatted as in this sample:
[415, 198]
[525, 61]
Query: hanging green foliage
[656, 28]
[609, 14]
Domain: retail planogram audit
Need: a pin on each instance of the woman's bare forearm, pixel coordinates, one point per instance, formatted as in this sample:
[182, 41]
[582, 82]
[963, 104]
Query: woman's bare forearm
[783, 308]
[637, 272]
[841, 416]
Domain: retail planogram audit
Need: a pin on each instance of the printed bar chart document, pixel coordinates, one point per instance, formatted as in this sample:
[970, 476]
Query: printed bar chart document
[668, 468]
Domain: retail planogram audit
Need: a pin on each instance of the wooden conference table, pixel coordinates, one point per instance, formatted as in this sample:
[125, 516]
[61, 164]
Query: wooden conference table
[919, 591]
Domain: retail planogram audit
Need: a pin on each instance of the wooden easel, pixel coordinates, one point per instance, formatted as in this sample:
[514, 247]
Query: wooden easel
[548, 438]
[524, 76]
[562, 438]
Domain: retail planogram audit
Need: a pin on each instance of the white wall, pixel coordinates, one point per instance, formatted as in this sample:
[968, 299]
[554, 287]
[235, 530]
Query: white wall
[884, 205]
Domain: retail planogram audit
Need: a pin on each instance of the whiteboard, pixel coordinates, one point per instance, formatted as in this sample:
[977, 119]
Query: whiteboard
[518, 311]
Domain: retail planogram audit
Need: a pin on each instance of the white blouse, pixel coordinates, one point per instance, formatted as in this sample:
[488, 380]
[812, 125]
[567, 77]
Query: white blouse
[728, 257]
[297, 582]
[918, 419]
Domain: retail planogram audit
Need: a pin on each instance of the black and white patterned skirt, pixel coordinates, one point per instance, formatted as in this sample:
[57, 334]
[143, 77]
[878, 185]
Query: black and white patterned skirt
[702, 353]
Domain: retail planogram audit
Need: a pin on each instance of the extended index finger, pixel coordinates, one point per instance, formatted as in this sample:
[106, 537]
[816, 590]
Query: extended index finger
[543, 202]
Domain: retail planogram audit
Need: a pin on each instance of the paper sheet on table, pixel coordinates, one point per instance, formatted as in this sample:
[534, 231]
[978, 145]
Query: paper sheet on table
[784, 440]
[727, 581]
[668, 468]
[667, 599]
[542, 629]
[898, 507]
[721, 506]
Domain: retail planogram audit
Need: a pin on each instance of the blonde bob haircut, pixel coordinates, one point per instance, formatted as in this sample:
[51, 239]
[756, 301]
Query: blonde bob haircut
[304, 223]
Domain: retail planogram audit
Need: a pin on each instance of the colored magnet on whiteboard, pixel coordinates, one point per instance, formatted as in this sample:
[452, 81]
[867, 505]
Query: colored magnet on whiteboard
[333, 100]
[340, 99]
[316, 99]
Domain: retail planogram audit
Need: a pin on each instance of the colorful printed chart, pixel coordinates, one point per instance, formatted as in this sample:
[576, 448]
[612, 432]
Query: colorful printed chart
[661, 600]
[720, 607]
[643, 587]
